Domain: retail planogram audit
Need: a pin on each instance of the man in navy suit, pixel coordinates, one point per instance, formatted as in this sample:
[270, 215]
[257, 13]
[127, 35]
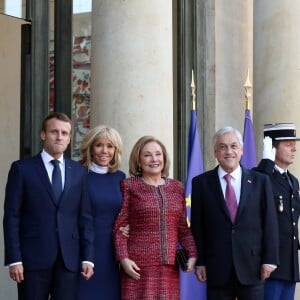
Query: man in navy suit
[234, 224]
[48, 239]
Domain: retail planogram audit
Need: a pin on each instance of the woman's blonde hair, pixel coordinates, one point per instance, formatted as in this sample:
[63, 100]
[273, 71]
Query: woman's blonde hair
[102, 131]
[134, 166]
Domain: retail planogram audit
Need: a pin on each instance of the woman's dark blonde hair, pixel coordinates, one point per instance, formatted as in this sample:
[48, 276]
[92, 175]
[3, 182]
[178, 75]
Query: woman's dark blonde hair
[102, 131]
[134, 165]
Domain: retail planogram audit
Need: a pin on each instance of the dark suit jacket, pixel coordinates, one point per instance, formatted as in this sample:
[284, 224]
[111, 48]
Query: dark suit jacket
[243, 246]
[287, 220]
[35, 227]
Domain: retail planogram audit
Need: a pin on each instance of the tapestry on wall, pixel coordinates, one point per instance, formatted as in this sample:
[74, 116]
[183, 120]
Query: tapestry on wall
[81, 80]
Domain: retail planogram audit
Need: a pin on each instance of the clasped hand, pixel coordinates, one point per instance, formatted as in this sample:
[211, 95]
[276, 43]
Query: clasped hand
[87, 271]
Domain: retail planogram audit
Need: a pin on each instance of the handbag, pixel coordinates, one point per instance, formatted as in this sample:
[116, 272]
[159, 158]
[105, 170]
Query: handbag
[181, 258]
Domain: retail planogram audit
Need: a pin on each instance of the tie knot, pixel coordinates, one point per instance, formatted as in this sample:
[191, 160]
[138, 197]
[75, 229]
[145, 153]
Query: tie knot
[227, 177]
[55, 163]
[285, 175]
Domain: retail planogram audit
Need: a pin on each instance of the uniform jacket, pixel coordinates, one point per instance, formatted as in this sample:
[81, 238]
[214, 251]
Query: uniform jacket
[157, 219]
[243, 246]
[35, 227]
[287, 203]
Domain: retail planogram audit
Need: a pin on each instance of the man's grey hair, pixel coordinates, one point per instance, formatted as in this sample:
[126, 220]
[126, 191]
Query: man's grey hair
[227, 129]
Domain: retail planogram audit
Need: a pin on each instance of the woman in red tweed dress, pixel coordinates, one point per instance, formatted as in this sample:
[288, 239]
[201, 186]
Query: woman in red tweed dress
[154, 207]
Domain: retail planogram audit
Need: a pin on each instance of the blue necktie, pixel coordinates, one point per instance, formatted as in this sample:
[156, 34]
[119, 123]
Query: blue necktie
[56, 180]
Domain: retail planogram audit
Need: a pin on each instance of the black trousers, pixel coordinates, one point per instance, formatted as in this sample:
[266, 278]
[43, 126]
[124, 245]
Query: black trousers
[236, 291]
[55, 283]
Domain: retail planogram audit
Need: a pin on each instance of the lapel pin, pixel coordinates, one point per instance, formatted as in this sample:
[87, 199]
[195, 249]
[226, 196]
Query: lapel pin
[249, 181]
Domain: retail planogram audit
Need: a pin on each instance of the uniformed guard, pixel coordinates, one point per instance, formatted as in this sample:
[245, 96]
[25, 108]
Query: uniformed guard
[278, 154]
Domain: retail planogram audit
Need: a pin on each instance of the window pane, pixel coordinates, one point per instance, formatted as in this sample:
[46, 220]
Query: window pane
[15, 8]
[82, 6]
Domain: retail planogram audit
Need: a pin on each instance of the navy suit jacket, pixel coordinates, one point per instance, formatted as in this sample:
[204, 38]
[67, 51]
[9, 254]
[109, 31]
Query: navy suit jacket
[243, 246]
[287, 220]
[35, 228]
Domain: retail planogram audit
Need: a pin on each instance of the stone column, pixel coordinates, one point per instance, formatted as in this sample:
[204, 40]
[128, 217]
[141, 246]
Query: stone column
[276, 65]
[227, 56]
[233, 57]
[132, 70]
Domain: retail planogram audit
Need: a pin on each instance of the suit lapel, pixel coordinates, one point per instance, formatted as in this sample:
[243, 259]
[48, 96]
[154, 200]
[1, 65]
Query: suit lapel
[43, 175]
[246, 186]
[282, 181]
[215, 181]
[294, 183]
[68, 179]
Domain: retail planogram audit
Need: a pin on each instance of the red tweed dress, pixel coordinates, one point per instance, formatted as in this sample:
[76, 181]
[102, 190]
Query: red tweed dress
[157, 219]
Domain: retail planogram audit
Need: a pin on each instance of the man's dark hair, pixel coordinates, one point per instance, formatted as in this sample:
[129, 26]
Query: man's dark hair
[55, 115]
[275, 144]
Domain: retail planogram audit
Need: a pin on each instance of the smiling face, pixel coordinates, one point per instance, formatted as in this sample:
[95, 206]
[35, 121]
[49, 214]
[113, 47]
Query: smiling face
[102, 152]
[228, 151]
[285, 153]
[56, 137]
[151, 159]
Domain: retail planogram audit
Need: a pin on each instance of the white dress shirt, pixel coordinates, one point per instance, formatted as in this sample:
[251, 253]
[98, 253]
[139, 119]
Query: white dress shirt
[236, 181]
[49, 166]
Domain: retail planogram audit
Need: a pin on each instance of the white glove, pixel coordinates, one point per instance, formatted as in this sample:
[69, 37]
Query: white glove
[268, 151]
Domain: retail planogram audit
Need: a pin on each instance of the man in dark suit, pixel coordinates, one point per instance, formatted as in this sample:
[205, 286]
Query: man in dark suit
[234, 223]
[48, 231]
[279, 153]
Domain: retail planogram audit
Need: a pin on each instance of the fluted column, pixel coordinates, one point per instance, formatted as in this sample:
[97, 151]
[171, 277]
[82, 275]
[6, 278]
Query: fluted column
[276, 64]
[226, 57]
[132, 70]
